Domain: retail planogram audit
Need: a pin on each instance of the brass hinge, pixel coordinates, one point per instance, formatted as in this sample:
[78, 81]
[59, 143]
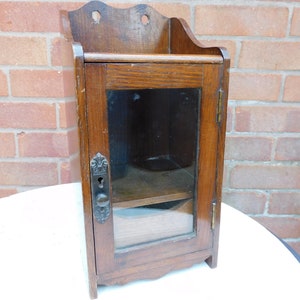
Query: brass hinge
[213, 215]
[220, 106]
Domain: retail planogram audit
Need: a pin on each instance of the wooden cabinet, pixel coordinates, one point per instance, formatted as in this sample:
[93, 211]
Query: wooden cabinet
[152, 113]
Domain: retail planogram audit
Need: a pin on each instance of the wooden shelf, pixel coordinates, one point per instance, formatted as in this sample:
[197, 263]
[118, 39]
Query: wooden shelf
[142, 187]
[157, 58]
[144, 225]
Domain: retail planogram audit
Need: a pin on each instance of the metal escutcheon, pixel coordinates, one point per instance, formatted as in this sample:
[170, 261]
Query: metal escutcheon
[100, 187]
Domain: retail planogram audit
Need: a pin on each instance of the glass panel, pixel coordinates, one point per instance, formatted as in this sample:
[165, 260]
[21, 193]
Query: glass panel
[153, 149]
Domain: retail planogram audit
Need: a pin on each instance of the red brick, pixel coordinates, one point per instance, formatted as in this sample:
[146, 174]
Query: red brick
[70, 171]
[292, 123]
[267, 119]
[248, 148]
[41, 83]
[295, 26]
[283, 227]
[295, 245]
[229, 125]
[263, 87]
[61, 53]
[4, 192]
[169, 10]
[27, 115]
[7, 145]
[225, 182]
[291, 89]
[65, 170]
[285, 203]
[68, 114]
[228, 44]
[69, 83]
[173, 10]
[32, 16]
[265, 177]
[23, 51]
[241, 20]
[270, 55]
[3, 84]
[43, 144]
[73, 141]
[247, 202]
[28, 173]
[288, 148]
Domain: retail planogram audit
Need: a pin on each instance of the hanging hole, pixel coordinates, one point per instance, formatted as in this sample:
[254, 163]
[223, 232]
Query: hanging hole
[145, 19]
[96, 16]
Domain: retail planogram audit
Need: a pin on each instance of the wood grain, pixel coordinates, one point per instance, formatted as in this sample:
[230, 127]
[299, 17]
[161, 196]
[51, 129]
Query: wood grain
[131, 49]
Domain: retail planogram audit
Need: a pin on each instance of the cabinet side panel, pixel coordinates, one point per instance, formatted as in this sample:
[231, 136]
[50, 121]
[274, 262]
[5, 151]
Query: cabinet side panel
[84, 157]
[212, 261]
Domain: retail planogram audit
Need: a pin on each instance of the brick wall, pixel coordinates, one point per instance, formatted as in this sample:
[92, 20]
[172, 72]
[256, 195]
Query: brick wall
[38, 128]
[39, 143]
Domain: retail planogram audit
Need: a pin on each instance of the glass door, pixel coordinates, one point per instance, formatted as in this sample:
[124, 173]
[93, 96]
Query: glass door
[153, 142]
[156, 126]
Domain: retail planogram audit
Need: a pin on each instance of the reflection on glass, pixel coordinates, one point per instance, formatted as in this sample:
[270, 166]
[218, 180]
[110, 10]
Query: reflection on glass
[153, 147]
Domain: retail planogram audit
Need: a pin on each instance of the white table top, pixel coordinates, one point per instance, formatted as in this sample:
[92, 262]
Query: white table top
[42, 251]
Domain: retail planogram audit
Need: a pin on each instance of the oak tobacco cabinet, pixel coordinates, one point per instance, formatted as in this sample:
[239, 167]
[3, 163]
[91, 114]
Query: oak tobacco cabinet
[152, 112]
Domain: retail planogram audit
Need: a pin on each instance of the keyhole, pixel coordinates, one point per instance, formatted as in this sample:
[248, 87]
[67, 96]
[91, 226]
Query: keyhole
[101, 182]
[145, 19]
[96, 16]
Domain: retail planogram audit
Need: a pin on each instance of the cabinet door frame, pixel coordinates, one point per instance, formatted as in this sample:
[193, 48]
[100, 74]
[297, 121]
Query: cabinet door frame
[157, 258]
